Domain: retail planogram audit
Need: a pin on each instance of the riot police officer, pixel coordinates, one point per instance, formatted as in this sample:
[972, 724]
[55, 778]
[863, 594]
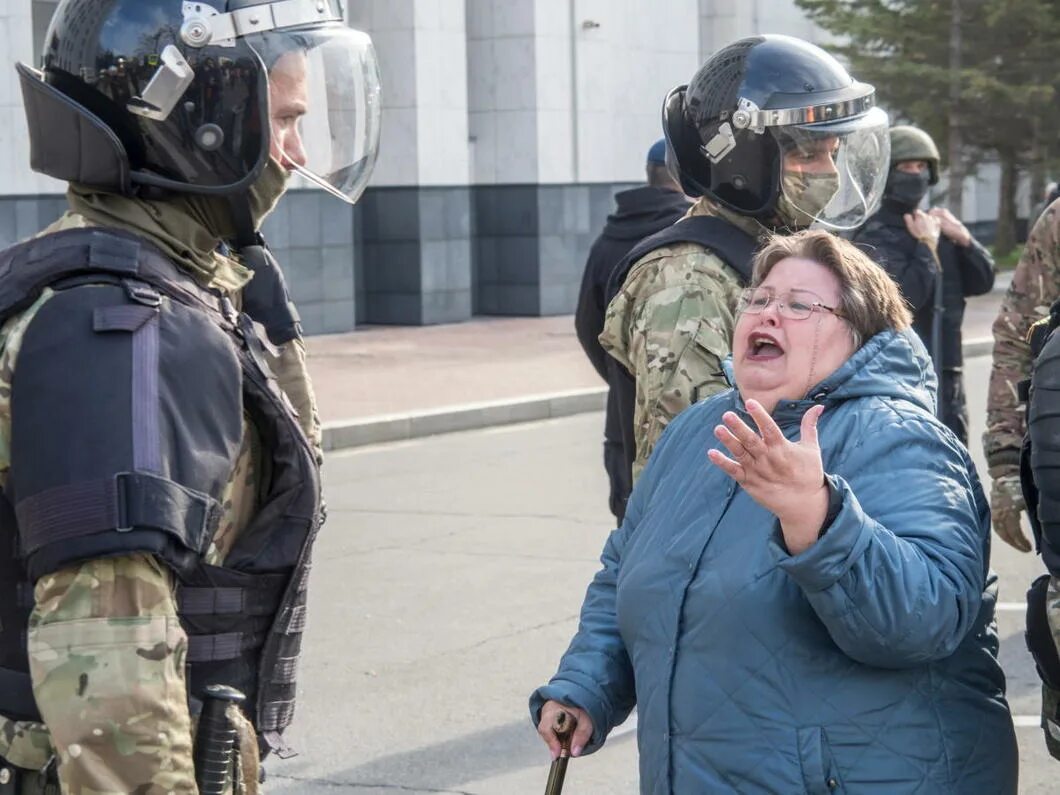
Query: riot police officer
[933, 258]
[771, 135]
[1035, 464]
[160, 486]
[1034, 288]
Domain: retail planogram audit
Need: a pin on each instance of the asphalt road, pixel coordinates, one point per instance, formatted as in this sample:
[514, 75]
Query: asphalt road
[446, 586]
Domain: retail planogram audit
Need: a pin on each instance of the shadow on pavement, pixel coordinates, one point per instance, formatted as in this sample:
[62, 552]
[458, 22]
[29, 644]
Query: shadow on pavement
[443, 767]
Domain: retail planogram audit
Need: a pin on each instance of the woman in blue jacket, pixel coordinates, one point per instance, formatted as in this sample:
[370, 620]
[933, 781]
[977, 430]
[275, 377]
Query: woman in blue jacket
[799, 598]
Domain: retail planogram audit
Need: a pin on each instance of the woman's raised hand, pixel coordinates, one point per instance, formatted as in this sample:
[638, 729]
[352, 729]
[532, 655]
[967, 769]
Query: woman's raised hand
[786, 478]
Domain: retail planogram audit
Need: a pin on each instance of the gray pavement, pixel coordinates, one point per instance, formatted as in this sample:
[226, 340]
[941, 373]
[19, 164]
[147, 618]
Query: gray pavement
[446, 586]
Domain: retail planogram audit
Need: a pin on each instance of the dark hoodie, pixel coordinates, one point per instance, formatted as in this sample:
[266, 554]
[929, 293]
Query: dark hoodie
[966, 271]
[640, 212]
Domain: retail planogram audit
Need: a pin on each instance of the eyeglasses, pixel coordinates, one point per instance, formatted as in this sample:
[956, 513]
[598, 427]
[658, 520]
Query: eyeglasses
[794, 304]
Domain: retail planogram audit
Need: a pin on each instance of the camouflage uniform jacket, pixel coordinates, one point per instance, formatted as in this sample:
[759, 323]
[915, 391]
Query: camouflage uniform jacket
[671, 326]
[106, 649]
[1035, 286]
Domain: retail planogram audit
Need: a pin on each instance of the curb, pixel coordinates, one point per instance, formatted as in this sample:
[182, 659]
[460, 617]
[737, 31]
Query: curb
[381, 429]
[342, 434]
[981, 346]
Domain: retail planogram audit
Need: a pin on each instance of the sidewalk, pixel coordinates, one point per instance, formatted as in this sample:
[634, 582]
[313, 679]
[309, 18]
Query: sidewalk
[388, 383]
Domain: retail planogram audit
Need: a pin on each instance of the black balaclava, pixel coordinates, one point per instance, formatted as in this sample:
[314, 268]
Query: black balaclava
[907, 190]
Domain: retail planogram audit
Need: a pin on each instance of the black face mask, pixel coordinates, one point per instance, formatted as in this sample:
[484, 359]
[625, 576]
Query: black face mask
[907, 189]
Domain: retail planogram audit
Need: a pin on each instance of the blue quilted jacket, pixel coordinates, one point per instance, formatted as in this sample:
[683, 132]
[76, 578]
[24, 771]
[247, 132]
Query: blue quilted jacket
[867, 664]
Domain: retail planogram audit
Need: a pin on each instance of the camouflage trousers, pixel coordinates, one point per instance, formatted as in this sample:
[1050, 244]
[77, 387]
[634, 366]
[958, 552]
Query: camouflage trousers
[19, 781]
[1050, 718]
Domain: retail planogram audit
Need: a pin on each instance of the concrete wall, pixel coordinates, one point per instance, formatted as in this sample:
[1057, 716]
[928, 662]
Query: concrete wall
[564, 100]
[415, 221]
[507, 127]
[724, 21]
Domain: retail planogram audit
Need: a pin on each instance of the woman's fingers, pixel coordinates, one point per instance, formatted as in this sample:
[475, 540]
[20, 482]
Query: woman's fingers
[808, 431]
[750, 440]
[582, 735]
[726, 465]
[545, 725]
[771, 433]
[764, 456]
[726, 437]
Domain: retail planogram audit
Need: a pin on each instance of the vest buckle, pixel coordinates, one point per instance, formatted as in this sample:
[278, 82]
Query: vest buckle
[142, 293]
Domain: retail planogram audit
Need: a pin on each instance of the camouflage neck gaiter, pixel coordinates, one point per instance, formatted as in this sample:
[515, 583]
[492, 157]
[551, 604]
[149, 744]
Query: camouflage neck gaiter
[803, 196]
[186, 227]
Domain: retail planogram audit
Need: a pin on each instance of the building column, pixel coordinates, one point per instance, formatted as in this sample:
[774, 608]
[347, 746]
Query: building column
[564, 100]
[415, 220]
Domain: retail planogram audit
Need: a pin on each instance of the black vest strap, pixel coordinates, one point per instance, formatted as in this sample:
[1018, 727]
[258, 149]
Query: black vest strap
[297, 623]
[285, 671]
[734, 246]
[29, 267]
[211, 601]
[261, 598]
[25, 594]
[18, 701]
[131, 499]
[211, 648]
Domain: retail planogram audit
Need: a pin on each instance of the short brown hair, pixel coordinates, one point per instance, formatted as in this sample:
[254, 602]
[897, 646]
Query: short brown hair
[868, 298]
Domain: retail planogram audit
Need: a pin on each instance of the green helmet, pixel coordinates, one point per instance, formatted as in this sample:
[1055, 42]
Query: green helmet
[912, 143]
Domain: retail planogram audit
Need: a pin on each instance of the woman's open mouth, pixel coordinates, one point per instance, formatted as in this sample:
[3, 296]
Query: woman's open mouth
[762, 347]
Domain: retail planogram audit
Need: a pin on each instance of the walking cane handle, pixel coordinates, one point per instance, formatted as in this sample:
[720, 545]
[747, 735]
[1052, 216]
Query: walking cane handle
[563, 727]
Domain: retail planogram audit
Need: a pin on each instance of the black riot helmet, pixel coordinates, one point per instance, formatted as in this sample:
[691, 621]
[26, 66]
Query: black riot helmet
[176, 96]
[775, 128]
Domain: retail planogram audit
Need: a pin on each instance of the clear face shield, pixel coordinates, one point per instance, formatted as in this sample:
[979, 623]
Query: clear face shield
[833, 173]
[324, 105]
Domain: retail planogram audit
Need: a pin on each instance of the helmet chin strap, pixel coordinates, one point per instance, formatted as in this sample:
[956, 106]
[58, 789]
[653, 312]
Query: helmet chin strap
[266, 298]
[243, 219]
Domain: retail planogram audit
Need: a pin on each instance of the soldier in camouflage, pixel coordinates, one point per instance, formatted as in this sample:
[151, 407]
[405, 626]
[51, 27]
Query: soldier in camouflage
[772, 135]
[95, 687]
[936, 262]
[1025, 352]
[1035, 286]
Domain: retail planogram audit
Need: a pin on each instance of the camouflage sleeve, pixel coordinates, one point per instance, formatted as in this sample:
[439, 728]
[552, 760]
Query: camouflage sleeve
[1035, 285]
[678, 337]
[292, 374]
[107, 656]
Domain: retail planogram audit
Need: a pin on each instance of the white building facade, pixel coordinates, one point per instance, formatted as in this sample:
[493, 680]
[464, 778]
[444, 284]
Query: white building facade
[507, 127]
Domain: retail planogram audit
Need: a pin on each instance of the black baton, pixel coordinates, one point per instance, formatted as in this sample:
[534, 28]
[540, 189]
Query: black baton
[215, 739]
[563, 728]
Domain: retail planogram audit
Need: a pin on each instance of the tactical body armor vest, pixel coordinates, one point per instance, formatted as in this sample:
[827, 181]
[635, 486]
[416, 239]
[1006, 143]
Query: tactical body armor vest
[160, 373]
[1040, 478]
[1040, 459]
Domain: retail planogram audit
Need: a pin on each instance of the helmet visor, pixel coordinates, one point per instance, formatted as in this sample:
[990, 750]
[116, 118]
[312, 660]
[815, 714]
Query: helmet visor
[833, 174]
[324, 105]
